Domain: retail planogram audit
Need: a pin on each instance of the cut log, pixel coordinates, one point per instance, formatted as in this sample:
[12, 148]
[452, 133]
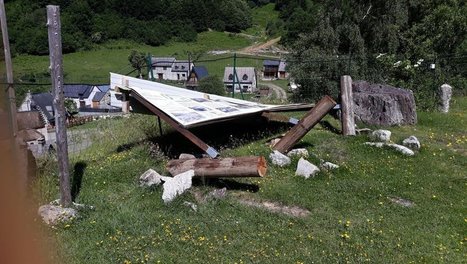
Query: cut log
[252, 166]
[305, 124]
[348, 118]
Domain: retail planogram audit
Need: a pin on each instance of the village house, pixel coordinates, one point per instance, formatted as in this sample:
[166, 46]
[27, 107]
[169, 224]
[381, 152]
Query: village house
[274, 69]
[197, 73]
[81, 94]
[245, 79]
[169, 68]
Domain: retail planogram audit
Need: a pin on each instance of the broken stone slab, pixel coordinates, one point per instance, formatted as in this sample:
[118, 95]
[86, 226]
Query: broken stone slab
[412, 143]
[400, 148]
[306, 169]
[279, 159]
[380, 135]
[329, 166]
[444, 97]
[186, 156]
[300, 152]
[177, 185]
[53, 215]
[151, 177]
[383, 105]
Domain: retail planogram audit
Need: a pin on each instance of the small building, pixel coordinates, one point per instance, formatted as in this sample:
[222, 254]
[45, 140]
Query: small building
[81, 94]
[245, 79]
[169, 68]
[271, 69]
[283, 74]
[196, 74]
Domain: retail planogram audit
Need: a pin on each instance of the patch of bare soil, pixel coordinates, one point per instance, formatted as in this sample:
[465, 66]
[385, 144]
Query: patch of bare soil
[274, 207]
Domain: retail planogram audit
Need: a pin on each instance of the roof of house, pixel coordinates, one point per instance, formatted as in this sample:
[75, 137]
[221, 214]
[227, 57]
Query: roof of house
[43, 102]
[271, 63]
[282, 65]
[162, 61]
[245, 74]
[200, 72]
[29, 120]
[98, 96]
[103, 88]
[77, 90]
[181, 66]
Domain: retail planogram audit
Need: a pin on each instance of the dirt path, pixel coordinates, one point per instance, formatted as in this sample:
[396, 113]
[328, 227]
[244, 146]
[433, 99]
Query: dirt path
[261, 46]
[280, 93]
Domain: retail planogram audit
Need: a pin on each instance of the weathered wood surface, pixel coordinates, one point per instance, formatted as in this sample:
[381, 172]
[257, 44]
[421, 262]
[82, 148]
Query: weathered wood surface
[56, 69]
[347, 106]
[305, 124]
[252, 166]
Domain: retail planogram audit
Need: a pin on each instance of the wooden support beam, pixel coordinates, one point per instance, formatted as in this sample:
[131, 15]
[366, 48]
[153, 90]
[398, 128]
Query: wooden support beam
[279, 118]
[56, 70]
[348, 118]
[185, 132]
[225, 167]
[305, 124]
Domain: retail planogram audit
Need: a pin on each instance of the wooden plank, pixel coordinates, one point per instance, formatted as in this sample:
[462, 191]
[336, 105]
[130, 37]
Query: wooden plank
[185, 132]
[251, 166]
[305, 124]
[348, 118]
[56, 68]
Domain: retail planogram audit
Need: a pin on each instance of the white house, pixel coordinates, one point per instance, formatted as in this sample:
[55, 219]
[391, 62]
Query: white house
[169, 68]
[245, 79]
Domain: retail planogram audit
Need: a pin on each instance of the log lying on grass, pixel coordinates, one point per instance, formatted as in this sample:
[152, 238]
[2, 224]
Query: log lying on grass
[252, 166]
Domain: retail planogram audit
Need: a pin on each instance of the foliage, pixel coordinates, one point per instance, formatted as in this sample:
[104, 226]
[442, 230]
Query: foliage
[137, 61]
[211, 84]
[71, 107]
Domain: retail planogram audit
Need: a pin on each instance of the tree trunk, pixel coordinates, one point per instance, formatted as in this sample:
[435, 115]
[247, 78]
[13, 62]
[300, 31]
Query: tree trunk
[227, 167]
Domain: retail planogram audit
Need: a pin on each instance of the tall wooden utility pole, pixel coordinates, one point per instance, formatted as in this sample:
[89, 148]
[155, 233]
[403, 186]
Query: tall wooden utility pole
[56, 70]
[9, 68]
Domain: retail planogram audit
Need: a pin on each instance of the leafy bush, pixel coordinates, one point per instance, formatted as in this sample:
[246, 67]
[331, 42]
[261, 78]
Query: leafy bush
[212, 85]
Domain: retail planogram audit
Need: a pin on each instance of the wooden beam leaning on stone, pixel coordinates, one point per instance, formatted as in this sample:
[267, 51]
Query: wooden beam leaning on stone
[305, 124]
[252, 166]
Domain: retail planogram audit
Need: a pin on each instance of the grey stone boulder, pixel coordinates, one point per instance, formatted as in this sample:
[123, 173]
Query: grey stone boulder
[177, 185]
[444, 97]
[279, 159]
[306, 169]
[186, 156]
[383, 105]
[150, 178]
[300, 152]
[412, 143]
[380, 135]
[53, 214]
[404, 150]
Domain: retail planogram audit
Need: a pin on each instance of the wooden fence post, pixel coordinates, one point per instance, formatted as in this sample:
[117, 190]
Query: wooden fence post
[348, 118]
[56, 68]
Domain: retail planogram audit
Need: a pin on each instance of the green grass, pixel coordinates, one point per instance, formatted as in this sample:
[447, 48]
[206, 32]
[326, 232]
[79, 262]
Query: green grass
[261, 16]
[351, 218]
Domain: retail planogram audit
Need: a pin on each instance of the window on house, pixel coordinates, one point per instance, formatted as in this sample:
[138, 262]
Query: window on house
[230, 76]
[245, 77]
[183, 67]
[183, 74]
[176, 67]
[164, 68]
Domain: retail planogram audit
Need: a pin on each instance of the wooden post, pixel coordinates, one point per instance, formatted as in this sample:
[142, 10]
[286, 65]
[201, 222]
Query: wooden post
[305, 124]
[348, 118]
[56, 68]
[225, 167]
[9, 69]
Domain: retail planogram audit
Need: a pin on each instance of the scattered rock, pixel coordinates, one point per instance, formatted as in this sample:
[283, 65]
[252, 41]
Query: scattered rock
[150, 178]
[274, 141]
[75, 205]
[217, 193]
[329, 166]
[402, 149]
[294, 211]
[193, 206]
[186, 156]
[444, 94]
[381, 135]
[53, 215]
[383, 105]
[279, 159]
[375, 144]
[412, 143]
[306, 169]
[177, 185]
[400, 201]
[300, 152]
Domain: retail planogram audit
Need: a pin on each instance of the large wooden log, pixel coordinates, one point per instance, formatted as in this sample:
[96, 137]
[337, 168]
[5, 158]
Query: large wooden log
[252, 166]
[305, 124]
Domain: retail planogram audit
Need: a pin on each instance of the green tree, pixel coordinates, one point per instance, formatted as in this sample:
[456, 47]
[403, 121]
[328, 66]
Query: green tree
[212, 85]
[138, 61]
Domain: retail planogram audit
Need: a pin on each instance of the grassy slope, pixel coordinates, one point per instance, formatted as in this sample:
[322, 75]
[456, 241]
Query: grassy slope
[132, 224]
